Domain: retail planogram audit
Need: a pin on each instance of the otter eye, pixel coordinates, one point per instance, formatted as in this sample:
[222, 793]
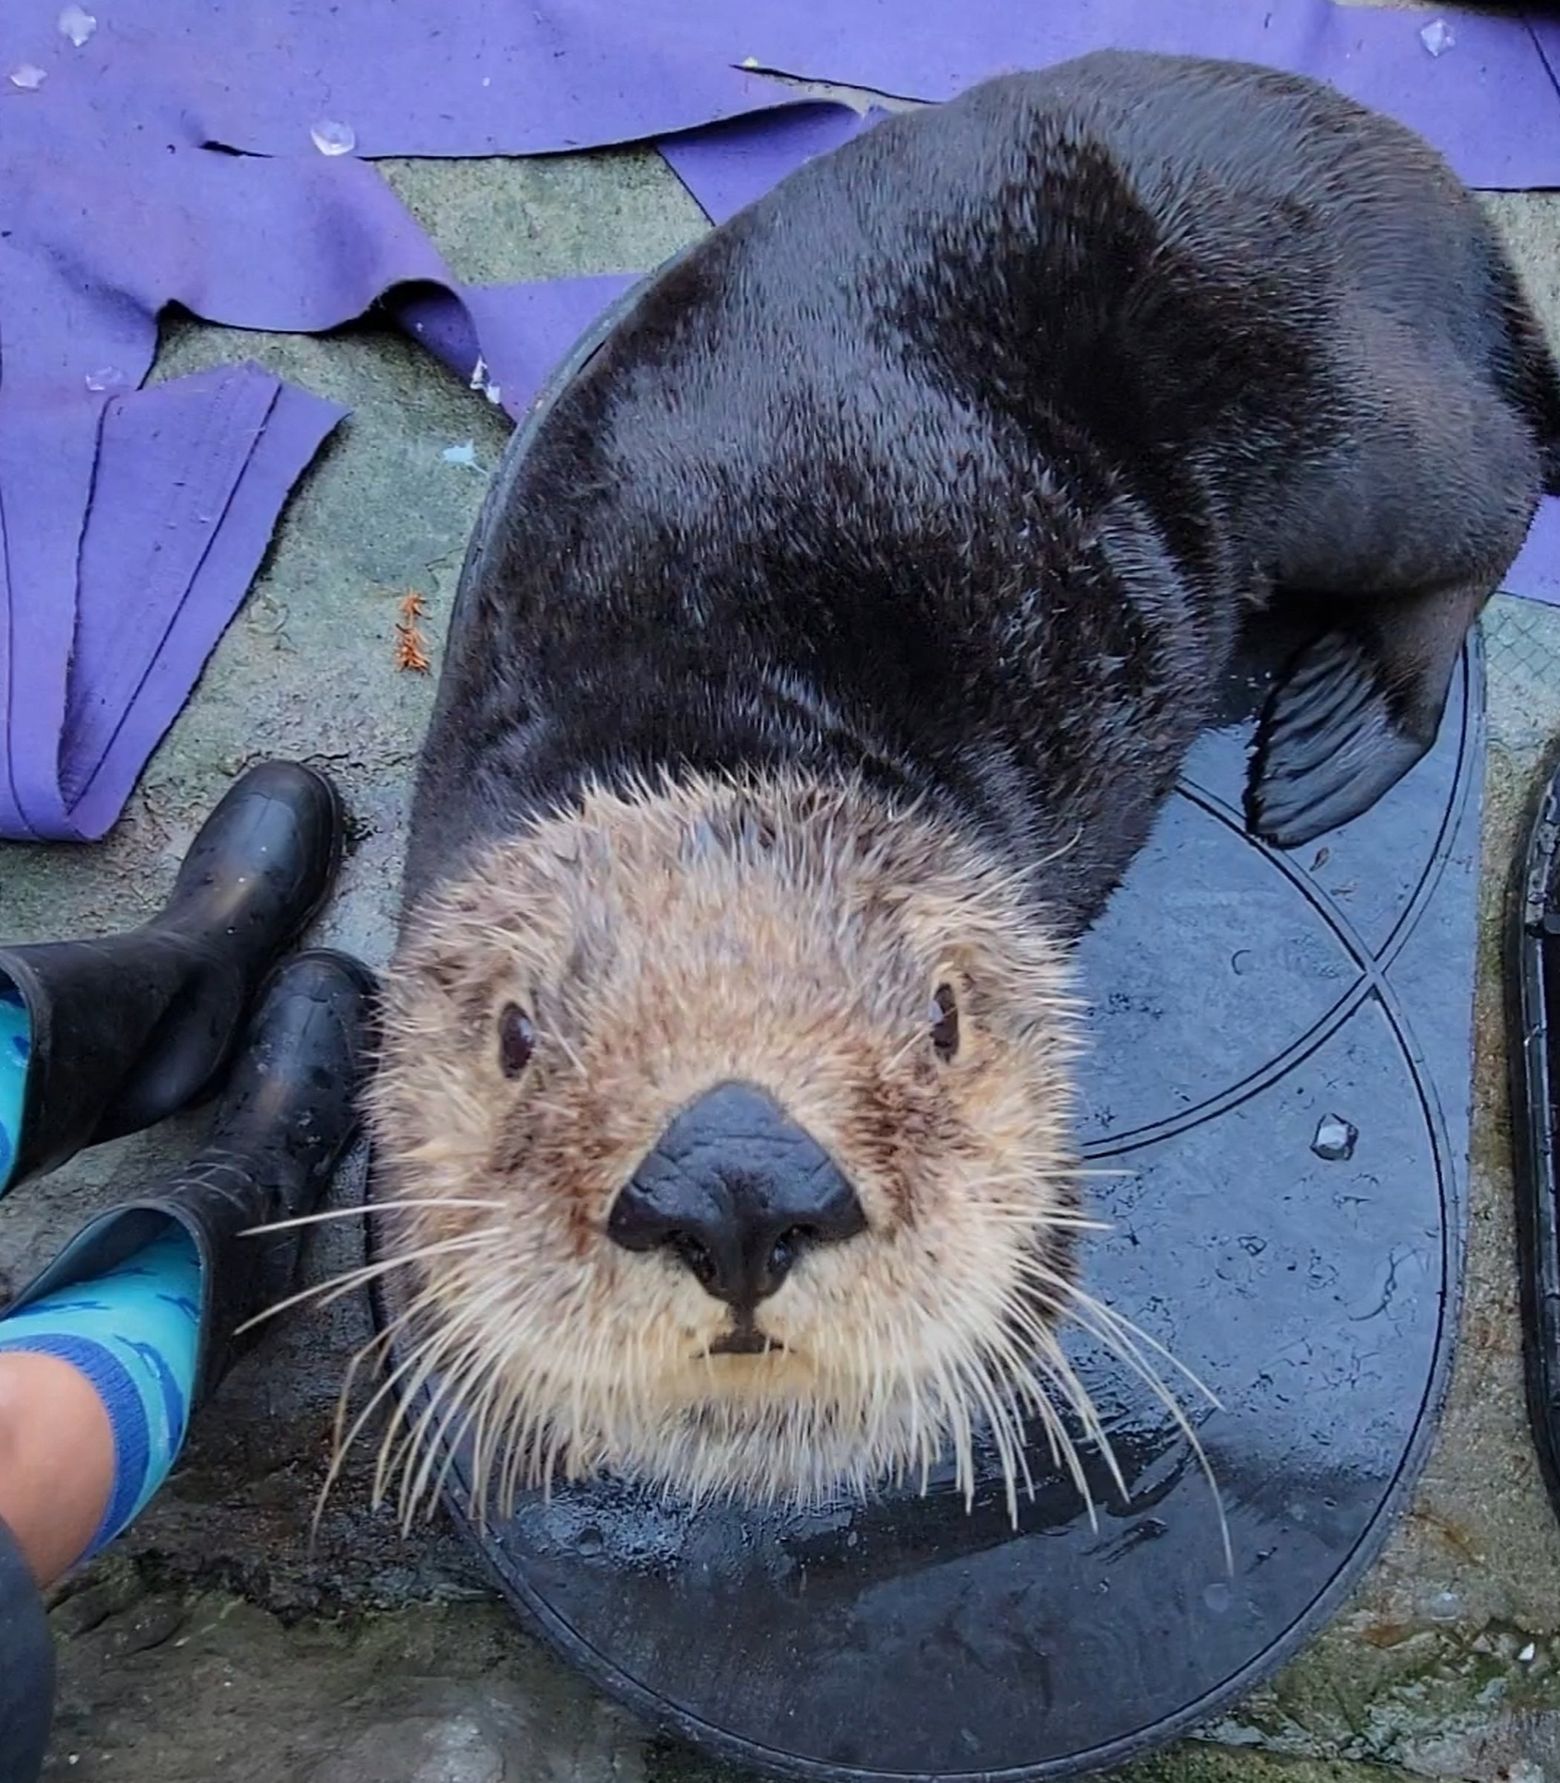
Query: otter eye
[945, 1023]
[516, 1039]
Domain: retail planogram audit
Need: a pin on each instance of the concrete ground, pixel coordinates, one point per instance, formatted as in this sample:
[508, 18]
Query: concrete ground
[216, 1641]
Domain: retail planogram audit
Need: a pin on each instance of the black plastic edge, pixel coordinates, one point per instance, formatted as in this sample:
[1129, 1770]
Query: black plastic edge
[1532, 1008]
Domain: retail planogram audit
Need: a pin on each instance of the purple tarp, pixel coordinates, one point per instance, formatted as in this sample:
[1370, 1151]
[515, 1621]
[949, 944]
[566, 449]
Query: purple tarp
[485, 78]
[131, 520]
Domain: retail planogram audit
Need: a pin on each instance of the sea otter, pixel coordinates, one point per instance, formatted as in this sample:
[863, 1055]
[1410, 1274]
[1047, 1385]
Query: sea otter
[824, 654]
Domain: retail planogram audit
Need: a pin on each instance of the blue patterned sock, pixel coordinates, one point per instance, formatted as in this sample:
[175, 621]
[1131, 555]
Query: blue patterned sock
[15, 1051]
[133, 1332]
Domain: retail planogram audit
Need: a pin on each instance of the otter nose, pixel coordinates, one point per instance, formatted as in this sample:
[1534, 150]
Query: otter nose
[738, 1191]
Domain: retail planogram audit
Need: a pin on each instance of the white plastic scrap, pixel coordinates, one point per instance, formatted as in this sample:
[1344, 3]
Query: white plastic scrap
[333, 138]
[481, 381]
[77, 24]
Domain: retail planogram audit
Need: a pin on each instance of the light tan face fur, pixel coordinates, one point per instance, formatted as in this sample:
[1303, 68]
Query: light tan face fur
[779, 936]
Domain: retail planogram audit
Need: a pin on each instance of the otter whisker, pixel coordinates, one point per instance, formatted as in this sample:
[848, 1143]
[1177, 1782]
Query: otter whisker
[1014, 1413]
[425, 1441]
[1116, 1336]
[475, 1380]
[1017, 1376]
[1050, 1423]
[1060, 852]
[363, 1210]
[1059, 1440]
[870, 1366]
[444, 1444]
[551, 1448]
[1007, 1387]
[1054, 1365]
[1118, 1343]
[425, 1448]
[342, 1444]
[335, 1287]
[496, 1451]
[553, 1440]
[1073, 1394]
[1127, 1353]
[872, 1350]
[576, 1384]
[342, 1439]
[498, 1396]
[524, 1423]
[481, 1386]
[1027, 1221]
[1188, 1430]
[998, 1347]
[382, 1341]
[482, 1453]
[957, 1412]
[398, 1442]
[974, 1377]
[397, 1445]
[918, 1439]
[510, 1428]
[1030, 1174]
[1080, 1302]
[1104, 1322]
[554, 1038]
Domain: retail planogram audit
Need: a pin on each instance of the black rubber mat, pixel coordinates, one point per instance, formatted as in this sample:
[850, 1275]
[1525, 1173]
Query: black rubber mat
[1533, 986]
[1280, 1066]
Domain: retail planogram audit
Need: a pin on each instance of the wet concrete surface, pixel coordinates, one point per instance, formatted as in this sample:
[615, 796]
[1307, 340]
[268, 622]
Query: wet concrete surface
[218, 1640]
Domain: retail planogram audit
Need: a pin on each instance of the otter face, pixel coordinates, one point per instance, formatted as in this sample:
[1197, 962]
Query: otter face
[724, 1129]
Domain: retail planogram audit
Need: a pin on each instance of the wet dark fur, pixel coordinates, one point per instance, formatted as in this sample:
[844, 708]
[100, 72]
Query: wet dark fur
[957, 459]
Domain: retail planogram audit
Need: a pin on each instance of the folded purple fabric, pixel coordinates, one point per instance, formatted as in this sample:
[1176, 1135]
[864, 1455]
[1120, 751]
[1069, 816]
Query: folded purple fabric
[1545, 27]
[727, 166]
[148, 617]
[481, 78]
[153, 507]
[1536, 574]
[189, 479]
[504, 339]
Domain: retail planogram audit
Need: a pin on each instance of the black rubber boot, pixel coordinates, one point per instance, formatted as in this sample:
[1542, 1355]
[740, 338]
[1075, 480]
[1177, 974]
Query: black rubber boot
[130, 1028]
[286, 1118]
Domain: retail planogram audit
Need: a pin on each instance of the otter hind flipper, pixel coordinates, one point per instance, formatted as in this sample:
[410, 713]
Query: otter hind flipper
[1330, 743]
[1359, 706]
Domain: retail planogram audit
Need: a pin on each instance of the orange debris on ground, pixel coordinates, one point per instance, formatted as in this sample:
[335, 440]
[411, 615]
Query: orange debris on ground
[411, 647]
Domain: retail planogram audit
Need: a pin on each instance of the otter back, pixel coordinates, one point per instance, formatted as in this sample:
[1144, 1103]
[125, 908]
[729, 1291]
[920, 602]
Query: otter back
[955, 460]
